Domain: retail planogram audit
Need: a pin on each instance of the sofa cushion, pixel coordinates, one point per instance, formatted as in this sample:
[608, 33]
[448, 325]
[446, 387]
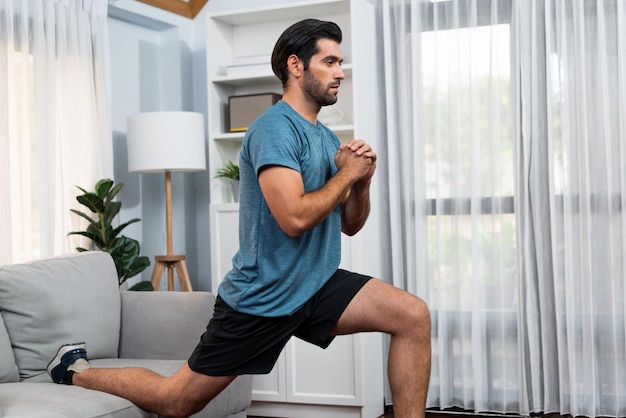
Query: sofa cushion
[49, 400]
[235, 398]
[8, 368]
[55, 301]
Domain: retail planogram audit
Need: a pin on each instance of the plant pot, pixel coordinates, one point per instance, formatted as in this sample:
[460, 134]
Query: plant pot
[234, 187]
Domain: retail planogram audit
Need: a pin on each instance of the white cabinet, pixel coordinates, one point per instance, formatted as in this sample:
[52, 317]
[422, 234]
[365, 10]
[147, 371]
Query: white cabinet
[345, 380]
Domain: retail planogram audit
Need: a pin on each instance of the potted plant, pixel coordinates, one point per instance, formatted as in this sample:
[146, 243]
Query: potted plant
[230, 171]
[124, 251]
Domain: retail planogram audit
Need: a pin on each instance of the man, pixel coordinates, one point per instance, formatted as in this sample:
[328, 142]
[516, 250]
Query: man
[300, 188]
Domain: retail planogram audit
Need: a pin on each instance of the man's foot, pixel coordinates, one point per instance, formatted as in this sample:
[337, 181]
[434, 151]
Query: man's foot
[72, 357]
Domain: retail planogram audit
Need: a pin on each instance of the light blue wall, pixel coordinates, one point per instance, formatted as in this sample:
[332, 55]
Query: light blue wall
[158, 62]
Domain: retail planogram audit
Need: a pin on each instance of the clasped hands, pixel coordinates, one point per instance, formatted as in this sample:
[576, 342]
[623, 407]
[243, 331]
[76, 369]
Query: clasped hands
[358, 156]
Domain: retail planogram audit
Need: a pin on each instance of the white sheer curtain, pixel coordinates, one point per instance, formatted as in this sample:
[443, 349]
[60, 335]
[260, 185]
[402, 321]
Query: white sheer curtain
[54, 120]
[505, 156]
[572, 189]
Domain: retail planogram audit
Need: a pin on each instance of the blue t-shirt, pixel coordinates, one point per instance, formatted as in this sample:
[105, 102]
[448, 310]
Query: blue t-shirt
[274, 274]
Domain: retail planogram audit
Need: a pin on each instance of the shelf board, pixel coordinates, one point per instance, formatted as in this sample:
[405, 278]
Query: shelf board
[277, 12]
[238, 136]
[229, 136]
[225, 207]
[264, 77]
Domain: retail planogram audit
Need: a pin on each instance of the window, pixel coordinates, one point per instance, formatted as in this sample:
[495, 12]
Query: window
[467, 123]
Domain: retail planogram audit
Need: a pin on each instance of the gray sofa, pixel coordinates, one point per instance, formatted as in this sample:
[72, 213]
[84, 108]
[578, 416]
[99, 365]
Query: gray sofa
[47, 303]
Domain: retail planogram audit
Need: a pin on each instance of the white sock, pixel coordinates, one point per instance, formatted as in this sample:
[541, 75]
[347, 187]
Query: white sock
[79, 365]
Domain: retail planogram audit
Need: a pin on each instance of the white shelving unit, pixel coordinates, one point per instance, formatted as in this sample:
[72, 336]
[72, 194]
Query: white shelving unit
[345, 380]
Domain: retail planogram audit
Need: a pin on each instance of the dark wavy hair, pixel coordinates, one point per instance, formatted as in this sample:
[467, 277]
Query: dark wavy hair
[300, 39]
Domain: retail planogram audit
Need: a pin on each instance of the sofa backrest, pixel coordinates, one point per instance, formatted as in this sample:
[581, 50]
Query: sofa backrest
[55, 301]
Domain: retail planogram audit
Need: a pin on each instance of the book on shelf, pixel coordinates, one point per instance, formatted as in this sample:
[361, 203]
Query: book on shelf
[248, 70]
[249, 65]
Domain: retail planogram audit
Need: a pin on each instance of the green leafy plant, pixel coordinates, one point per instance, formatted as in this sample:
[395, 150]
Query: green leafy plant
[229, 171]
[124, 251]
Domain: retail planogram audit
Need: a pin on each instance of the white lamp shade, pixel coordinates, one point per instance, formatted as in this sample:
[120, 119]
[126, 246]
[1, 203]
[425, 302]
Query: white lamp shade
[165, 141]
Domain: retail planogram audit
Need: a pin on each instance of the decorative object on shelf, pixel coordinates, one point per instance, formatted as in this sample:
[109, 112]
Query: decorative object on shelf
[331, 116]
[167, 142]
[244, 109]
[124, 251]
[230, 172]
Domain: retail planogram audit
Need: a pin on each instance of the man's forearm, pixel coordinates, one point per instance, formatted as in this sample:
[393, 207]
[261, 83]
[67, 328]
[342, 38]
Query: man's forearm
[356, 209]
[317, 205]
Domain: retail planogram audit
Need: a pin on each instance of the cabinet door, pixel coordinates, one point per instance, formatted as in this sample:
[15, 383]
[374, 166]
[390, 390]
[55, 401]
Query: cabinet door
[318, 376]
[272, 386]
[224, 240]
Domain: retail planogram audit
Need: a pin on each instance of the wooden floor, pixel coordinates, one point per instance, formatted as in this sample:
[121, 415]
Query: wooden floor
[466, 414]
[454, 414]
[437, 414]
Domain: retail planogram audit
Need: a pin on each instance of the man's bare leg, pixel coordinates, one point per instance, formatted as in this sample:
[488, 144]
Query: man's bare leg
[382, 307]
[180, 395]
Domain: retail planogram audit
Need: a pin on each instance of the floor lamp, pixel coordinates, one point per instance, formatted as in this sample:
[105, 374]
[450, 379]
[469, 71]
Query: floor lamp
[167, 142]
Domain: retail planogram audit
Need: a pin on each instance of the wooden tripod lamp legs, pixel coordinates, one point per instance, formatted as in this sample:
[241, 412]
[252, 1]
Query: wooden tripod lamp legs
[170, 262]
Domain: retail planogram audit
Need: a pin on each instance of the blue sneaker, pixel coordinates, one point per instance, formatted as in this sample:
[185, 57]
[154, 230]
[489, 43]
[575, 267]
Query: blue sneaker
[69, 357]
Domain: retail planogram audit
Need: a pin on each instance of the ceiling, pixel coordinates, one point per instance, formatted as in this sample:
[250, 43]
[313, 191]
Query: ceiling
[187, 8]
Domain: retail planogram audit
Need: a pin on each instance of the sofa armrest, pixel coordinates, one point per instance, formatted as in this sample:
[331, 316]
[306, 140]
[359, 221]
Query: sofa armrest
[163, 325]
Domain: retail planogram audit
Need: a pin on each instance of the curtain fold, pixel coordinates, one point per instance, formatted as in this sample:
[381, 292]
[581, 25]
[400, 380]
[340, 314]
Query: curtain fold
[55, 131]
[506, 148]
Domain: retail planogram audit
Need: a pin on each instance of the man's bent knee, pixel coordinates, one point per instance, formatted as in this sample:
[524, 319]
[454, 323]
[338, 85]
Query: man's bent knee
[419, 315]
[191, 392]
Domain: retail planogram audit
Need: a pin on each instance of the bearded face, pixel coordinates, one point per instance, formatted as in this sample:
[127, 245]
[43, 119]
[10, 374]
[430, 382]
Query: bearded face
[324, 95]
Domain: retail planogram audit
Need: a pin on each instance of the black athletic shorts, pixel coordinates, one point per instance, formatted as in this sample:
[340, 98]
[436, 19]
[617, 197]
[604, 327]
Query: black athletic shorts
[236, 343]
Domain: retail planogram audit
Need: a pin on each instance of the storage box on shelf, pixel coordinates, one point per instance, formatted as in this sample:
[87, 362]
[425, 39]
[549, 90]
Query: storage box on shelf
[346, 379]
[244, 109]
